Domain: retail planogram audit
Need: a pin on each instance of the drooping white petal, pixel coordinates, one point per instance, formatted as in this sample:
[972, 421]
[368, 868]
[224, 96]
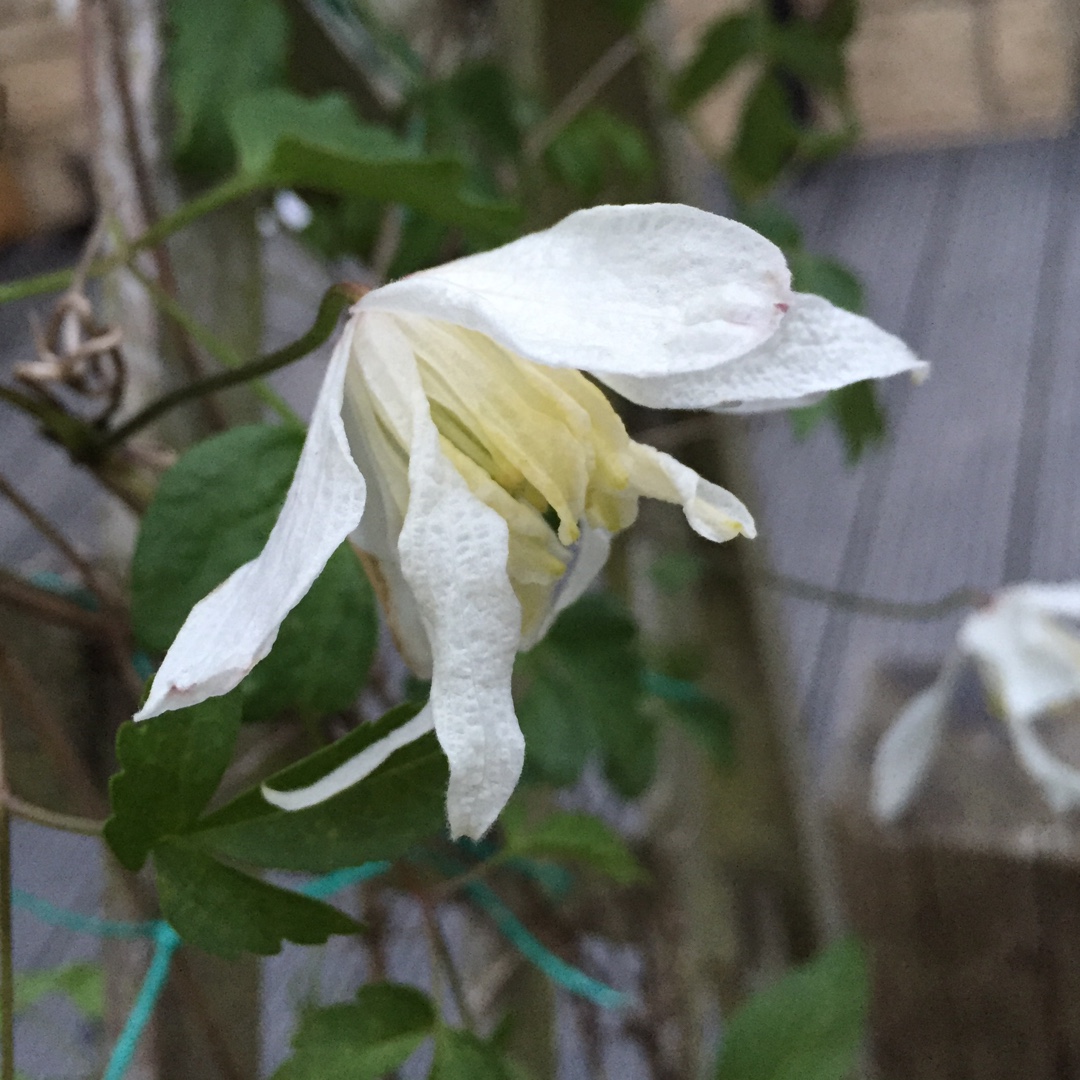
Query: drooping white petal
[817, 347]
[1058, 780]
[228, 632]
[378, 422]
[713, 512]
[638, 290]
[355, 769]
[453, 550]
[1030, 660]
[906, 751]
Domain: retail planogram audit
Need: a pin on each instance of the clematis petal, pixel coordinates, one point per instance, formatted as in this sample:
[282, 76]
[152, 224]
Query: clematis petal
[638, 290]
[817, 347]
[1030, 660]
[907, 750]
[453, 551]
[228, 632]
[1058, 780]
[379, 427]
[355, 769]
[713, 512]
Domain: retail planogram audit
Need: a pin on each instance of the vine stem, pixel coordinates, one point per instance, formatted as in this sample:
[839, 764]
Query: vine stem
[217, 347]
[334, 301]
[581, 95]
[229, 191]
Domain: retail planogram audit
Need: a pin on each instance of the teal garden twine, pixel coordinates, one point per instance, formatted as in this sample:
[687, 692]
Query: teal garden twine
[167, 941]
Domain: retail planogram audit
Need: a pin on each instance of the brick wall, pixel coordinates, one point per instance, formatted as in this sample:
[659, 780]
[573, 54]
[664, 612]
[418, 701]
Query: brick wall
[44, 134]
[931, 72]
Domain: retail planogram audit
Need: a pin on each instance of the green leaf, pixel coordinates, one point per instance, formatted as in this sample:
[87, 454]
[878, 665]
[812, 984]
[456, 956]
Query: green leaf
[572, 837]
[324, 649]
[826, 277]
[809, 1026]
[361, 1040]
[170, 767]
[82, 984]
[212, 512]
[397, 806]
[815, 60]
[711, 722]
[460, 1055]
[559, 739]
[483, 96]
[855, 409]
[596, 152]
[629, 12]
[774, 224]
[837, 20]
[583, 692]
[859, 416]
[288, 141]
[228, 913]
[766, 141]
[218, 53]
[724, 46]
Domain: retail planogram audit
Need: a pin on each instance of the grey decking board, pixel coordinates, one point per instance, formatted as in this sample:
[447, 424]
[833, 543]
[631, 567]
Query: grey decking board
[811, 498]
[928, 523]
[1053, 475]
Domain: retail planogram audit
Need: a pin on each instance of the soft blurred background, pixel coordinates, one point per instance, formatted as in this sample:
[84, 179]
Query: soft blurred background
[957, 209]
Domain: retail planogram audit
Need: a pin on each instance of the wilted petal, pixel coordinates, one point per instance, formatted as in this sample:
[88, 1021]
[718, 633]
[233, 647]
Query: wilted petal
[638, 290]
[818, 347]
[231, 630]
[453, 551]
[355, 769]
[713, 512]
[908, 748]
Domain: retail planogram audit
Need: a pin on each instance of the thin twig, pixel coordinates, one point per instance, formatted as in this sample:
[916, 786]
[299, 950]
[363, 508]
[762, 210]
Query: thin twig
[54, 740]
[52, 819]
[217, 1043]
[113, 621]
[49, 531]
[46, 605]
[581, 95]
[443, 962]
[144, 187]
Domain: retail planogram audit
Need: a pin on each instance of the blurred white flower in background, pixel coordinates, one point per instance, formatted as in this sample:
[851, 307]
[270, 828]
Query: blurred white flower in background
[1026, 647]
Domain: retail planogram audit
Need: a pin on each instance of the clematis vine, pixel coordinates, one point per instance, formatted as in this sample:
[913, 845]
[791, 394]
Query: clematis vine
[1025, 646]
[458, 437]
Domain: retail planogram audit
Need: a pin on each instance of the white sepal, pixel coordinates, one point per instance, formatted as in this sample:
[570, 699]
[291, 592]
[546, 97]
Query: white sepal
[907, 749]
[817, 347]
[229, 631]
[637, 290]
[354, 770]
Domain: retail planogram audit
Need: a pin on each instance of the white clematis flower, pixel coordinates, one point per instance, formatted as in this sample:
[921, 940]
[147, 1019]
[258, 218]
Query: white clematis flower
[1028, 658]
[484, 474]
